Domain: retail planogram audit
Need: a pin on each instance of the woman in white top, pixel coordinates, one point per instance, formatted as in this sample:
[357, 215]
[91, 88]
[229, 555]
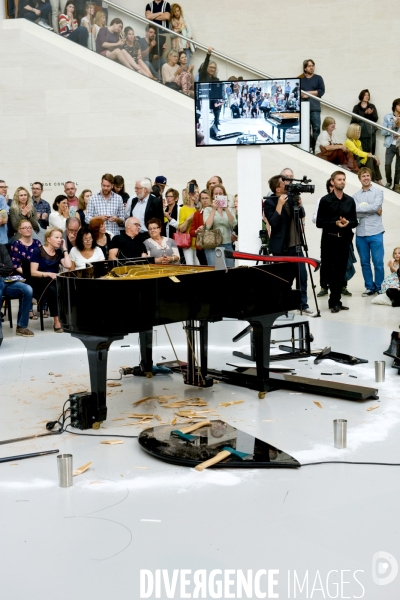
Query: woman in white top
[99, 22]
[330, 148]
[85, 250]
[60, 212]
[88, 21]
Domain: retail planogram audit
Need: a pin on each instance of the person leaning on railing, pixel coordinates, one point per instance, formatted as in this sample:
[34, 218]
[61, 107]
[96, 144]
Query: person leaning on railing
[208, 70]
[179, 24]
[363, 159]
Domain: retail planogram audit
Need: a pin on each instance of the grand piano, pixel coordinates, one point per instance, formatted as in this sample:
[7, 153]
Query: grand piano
[108, 300]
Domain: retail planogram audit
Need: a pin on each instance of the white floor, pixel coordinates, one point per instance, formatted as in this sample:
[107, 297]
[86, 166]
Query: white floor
[131, 512]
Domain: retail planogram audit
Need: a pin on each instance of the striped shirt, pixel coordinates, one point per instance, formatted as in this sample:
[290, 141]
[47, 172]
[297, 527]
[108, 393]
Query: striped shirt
[113, 207]
[64, 26]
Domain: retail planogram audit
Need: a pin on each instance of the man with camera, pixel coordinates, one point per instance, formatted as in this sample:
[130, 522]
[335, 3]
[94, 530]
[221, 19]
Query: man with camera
[336, 217]
[286, 238]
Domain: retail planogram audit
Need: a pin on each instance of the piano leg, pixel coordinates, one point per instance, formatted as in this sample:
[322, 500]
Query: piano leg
[146, 352]
[97, 350]
[196, 372]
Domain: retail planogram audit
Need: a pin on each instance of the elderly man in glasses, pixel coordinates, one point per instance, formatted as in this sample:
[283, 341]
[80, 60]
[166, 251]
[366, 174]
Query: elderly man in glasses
[144, 205]
[129, 244]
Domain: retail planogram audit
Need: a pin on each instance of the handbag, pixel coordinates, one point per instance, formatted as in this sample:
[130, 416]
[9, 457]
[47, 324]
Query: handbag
[208, 238]
[182, 240]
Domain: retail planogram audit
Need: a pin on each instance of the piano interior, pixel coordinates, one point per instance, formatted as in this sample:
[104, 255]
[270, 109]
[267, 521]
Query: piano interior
[149, 271]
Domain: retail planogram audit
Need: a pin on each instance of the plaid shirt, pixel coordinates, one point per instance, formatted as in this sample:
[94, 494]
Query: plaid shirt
[113, 207]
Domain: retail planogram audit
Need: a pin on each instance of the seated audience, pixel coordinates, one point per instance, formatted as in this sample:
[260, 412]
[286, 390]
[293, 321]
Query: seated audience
[329, 147]
[100, 20]
[82, 205]
[198, 224]
[173, 75]
[178, 24]
[22, 207]
[220, 217]
[98, 228]
[110, 45]
[132, 47]
[163, 249]
[367, 110]
[60, 213]
[41, 206]
[37, 11]
[69, 28]
[45, 264]
[88, 22]
[108, 205]
[208, 70]
[171, 213]
[21, 253]
[119, 188]
[72, 226]
[363, 159]
[85, 250]
[183, 64]
[129, 244]
[394, 262]
[16, 289]
[152, 52]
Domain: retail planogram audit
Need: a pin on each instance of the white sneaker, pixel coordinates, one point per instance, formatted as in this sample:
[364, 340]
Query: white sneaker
[306, 311]
[43, 23]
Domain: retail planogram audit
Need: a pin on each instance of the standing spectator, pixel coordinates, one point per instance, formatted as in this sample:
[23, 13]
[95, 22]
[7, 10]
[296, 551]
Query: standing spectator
[218, 216]
[45, 264]
[60, 213]
[369, 232]
[41, 206]
[198, 224]
[312, 84]
[119, 188]
[171, 213]
[132, 47]
[102, 237]
[161, 182]
[69, 28]
[85, 250]
[159, 12]
[179, 24]
[367, 110]
[186, 214]
[4, 210]
[100, 20]
[72, 226]
[336, 217]
[208, 70]
[151, 51]
[392, 121]
[288, 89]
[108, 205]
[22, 206]
[35, 10]
[144, 206]
[363, 159]
[17, 289]
[83, 201]
[70, 192]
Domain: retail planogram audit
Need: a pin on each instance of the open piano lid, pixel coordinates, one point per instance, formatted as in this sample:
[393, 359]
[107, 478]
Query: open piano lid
[208, 442]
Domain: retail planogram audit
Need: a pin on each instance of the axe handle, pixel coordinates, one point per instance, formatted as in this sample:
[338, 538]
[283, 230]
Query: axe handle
[213, 461]
[194, 427]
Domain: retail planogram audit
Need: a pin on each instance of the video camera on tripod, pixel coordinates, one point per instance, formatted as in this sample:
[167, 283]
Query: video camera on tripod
[301, 187]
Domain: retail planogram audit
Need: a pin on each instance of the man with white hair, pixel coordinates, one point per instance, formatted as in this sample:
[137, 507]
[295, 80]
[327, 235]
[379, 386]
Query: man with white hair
[144, 206]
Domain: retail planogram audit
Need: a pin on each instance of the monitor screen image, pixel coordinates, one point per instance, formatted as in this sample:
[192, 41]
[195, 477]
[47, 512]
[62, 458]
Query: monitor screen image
[232, 113]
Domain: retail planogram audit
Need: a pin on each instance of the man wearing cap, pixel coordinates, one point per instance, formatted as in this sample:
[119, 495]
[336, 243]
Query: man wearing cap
[161, 181]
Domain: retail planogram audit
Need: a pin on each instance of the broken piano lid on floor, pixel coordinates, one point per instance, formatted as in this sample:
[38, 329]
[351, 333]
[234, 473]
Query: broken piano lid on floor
[165, 443]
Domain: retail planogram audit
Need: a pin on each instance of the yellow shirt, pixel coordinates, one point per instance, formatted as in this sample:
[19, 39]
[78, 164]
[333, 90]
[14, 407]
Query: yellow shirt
[355, 147]
[185, 212]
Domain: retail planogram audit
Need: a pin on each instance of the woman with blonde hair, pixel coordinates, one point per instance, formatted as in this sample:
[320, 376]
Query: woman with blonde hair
[363, 159]
[88, 22]
[99, 22]
[45, 264]
[82, 205]
[330, 148]
[186, 214]
[175, 76]
[179, 24]
[219, 216]
[22, 208]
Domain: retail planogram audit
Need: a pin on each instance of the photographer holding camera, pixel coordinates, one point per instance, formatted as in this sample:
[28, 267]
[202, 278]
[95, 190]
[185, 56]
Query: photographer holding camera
[285, 237]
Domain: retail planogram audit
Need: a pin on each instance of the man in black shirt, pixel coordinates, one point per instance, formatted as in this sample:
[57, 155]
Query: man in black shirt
[336, 217]
[129, 244]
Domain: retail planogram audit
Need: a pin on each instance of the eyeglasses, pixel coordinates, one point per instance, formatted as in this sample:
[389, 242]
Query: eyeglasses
[137, 188]
[28, 228]
[3, 186]
[135, 224]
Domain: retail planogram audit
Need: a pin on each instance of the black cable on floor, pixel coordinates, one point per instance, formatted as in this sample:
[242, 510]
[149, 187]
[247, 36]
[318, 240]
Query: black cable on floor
[94, 435]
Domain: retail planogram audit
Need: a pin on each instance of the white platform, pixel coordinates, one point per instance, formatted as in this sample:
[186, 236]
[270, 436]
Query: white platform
[130, 511]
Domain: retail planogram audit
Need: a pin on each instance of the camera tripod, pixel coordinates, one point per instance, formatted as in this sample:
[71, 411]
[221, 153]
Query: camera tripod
[302, 241]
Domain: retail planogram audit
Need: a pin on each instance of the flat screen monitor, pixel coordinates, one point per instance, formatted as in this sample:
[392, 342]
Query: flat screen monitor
[257, 111]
